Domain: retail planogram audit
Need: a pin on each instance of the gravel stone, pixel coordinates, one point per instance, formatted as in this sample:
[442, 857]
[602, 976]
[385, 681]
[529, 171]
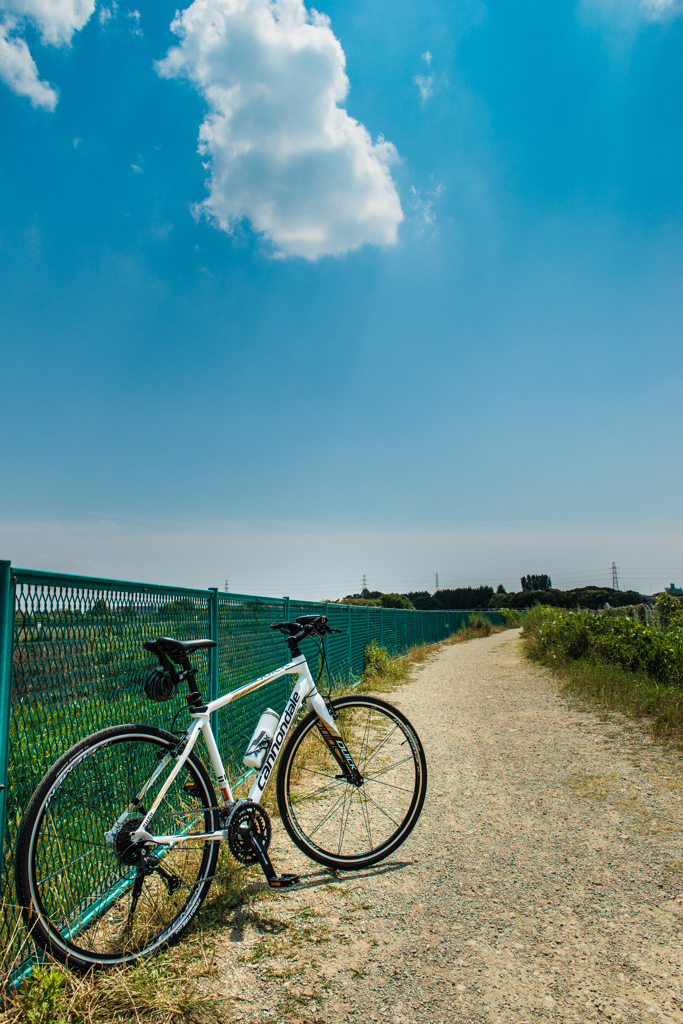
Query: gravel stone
[543, 882]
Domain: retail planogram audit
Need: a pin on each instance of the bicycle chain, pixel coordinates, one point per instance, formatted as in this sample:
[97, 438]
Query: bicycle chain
[224, 818]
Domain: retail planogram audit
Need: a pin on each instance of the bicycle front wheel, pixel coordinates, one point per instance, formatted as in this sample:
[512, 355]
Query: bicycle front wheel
[344, 824]
[90, 896]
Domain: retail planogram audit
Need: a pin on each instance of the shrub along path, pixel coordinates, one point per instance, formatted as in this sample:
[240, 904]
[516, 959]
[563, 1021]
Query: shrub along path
[544, 880]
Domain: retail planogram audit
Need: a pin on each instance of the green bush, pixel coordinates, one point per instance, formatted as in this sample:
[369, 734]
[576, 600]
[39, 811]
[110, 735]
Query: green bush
[512, 617]
[395, 601]
[553, 634]
[670, 611]
[376, 660]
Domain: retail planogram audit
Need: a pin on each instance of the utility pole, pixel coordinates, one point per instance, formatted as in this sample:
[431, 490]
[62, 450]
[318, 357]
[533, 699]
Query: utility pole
[615, 578]
[226, 586]
[436, 589]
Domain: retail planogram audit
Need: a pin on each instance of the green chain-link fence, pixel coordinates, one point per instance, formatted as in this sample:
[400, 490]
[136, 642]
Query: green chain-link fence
[72, 662]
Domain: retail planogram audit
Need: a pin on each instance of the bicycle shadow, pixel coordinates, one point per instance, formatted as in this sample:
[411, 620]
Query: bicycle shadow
[250, 916]
[326, 876]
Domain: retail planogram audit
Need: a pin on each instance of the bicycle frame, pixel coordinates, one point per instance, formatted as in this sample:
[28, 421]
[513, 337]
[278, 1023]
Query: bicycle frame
[304, 690]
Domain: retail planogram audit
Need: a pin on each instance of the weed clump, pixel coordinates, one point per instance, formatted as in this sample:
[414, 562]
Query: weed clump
[479, 623]
[381, 671]
[623, 664]
[165, 990]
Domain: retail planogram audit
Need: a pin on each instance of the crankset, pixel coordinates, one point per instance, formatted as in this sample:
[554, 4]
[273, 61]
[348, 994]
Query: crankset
[249, 834]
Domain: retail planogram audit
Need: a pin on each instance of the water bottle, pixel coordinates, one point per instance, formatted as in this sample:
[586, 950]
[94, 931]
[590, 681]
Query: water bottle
[261, 740]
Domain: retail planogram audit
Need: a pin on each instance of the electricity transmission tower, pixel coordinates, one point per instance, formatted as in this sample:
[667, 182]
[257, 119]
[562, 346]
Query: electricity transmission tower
[365, 582]
[436, 577]
[226, 586]
[615, 578]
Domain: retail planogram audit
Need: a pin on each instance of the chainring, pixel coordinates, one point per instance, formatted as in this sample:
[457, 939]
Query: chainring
[257, 817]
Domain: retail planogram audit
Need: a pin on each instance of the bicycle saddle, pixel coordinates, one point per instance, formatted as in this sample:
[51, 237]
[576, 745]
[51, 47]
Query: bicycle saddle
[168, 645]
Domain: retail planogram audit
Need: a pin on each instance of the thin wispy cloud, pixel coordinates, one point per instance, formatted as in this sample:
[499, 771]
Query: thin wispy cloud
[422, 206]
[630, 12]
[56, 21]
[661, 8]
[425, 83]
[114, 13]
[281, 151]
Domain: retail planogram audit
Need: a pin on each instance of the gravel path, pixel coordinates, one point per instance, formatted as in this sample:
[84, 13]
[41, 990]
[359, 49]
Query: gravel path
[544, 880]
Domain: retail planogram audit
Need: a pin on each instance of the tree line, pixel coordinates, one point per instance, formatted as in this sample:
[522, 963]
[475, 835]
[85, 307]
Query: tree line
[534, 589]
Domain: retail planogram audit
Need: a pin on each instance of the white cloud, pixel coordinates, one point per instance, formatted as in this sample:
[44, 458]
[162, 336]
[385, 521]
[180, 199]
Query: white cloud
[57, 21]
[280, 150]
[18, 69]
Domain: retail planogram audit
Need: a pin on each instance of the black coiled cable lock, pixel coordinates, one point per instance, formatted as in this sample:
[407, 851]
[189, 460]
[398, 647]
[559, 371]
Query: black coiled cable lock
[160, 686]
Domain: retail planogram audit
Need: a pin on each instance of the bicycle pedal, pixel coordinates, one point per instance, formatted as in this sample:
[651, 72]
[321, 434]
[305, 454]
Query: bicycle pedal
[191, 788]
[282, 881]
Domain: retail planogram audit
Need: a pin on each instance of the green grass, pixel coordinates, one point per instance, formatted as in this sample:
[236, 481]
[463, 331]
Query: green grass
[614, 663]
[658, 706]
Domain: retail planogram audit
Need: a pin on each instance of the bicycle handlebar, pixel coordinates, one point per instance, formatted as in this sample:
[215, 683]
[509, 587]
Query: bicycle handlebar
[304, 626]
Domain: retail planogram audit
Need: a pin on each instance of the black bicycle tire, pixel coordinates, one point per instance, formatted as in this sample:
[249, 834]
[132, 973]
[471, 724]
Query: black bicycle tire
[38, 921]
[286, 805]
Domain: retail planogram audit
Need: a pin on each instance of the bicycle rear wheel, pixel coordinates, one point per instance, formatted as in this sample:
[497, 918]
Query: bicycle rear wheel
[88, 896]
[340, 823]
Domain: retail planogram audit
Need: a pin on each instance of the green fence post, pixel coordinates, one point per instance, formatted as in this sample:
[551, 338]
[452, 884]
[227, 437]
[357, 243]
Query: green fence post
[288, 653]
[213, 656]
[348, 616]
[6, 637]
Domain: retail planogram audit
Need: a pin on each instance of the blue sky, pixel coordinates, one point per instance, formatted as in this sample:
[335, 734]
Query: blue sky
[415, 306]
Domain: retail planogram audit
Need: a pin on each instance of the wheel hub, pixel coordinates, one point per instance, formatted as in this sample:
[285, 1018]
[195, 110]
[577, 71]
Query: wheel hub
[125, 849]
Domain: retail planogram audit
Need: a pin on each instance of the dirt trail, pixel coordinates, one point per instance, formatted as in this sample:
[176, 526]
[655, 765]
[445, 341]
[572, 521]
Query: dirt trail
[544, 880]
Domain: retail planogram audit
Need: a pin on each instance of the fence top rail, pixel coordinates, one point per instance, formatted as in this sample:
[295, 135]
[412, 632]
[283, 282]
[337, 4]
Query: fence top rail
[58, 579]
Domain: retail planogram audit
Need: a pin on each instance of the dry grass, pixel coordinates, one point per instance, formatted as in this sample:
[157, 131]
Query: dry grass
[657, 706]
[166, 990]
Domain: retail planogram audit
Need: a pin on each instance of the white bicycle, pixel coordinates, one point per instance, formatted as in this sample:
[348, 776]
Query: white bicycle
[118, 845]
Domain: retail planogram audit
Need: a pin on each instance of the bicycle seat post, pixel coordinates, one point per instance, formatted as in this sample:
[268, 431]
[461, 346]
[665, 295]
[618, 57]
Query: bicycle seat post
[194, 698]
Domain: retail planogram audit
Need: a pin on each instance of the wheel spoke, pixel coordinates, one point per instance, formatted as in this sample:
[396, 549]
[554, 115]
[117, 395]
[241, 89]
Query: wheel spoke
[361, 823]
[79, 889]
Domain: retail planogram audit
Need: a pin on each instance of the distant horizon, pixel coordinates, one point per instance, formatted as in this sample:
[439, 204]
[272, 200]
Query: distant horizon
[313, 562]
